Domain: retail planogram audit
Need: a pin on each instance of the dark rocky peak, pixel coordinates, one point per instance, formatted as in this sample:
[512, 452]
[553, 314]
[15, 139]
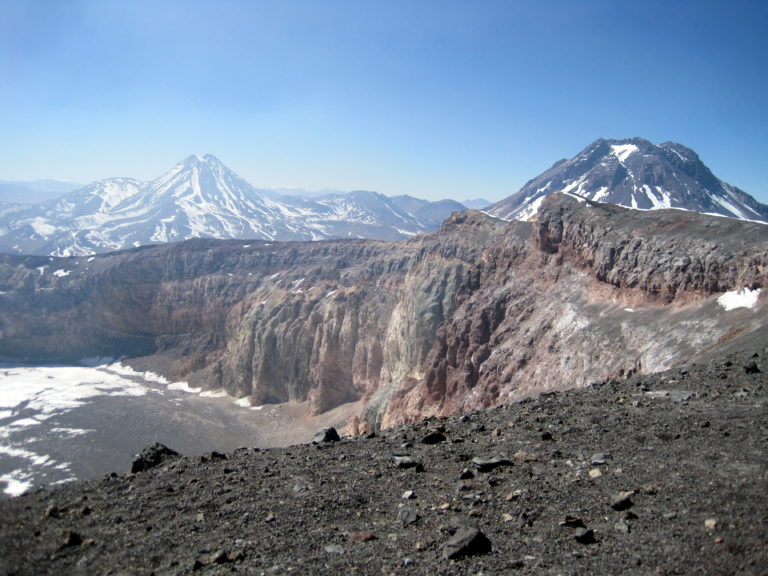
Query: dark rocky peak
[679, 152]
[688, 162]
[634, 173]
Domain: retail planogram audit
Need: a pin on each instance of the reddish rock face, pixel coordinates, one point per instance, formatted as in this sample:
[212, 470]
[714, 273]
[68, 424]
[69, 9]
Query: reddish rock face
[595, 292]
[479, 313]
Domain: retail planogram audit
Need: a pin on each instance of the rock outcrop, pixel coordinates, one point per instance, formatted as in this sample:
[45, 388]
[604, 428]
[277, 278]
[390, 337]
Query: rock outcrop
[597, 292]
[479, 313]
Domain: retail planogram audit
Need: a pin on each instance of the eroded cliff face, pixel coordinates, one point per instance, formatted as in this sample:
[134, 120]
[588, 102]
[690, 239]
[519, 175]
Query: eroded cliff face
[328, 322]
[479, 313]
[600, 292]
[355, 330]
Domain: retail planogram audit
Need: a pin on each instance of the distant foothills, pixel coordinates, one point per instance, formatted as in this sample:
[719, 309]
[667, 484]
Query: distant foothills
[201, 198]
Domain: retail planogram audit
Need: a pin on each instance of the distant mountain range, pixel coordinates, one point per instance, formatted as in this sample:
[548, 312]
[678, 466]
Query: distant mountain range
[30, 192]
[201, 198]
[636, 174]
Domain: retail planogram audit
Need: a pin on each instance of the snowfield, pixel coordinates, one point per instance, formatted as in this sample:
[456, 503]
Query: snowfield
[52, 415]
[744, 298]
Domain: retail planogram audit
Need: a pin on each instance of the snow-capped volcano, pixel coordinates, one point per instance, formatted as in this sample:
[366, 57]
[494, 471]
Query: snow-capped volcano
[637, 174]
[199, 197]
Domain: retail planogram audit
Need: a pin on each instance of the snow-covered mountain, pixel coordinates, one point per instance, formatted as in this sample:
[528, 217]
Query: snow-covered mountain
[199, 197]
[637, 174]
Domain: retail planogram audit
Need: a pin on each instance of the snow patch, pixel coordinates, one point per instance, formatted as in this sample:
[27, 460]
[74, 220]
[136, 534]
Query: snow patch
[623, 151]
[600, 194]
[683, 158]
[728, 206]
[744, 298]
[61, 273]
[214, 394]
[16, 482]
[40, 226]
[24, 422]
[69, 433]
[49, 390]
[123, 370]
[20, 480]
[659, 199]
[245, 402]
[544, 188]
[184, 387]
[531, 210]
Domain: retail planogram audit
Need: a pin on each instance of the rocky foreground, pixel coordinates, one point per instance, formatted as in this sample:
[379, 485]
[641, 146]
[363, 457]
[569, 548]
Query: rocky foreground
[662, 474]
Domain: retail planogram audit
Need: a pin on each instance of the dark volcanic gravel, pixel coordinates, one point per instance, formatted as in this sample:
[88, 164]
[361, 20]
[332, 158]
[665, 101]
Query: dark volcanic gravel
[655, 475]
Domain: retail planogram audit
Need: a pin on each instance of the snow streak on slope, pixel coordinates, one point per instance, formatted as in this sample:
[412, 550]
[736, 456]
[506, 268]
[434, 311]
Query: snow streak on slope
[623, 151]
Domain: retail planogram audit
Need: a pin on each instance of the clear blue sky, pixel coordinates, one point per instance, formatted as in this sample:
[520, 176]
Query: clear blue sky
[433, 98]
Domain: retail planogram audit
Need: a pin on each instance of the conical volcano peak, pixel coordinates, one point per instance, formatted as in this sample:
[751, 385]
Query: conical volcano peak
[638, 174]
[197, 160]
[218, 166]
[192, 159]
[195, 166]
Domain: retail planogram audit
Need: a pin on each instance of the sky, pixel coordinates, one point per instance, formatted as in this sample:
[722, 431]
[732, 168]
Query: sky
[433, 98]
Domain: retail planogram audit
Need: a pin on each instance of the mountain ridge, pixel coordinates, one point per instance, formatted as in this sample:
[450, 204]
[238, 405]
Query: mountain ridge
[201, 197]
